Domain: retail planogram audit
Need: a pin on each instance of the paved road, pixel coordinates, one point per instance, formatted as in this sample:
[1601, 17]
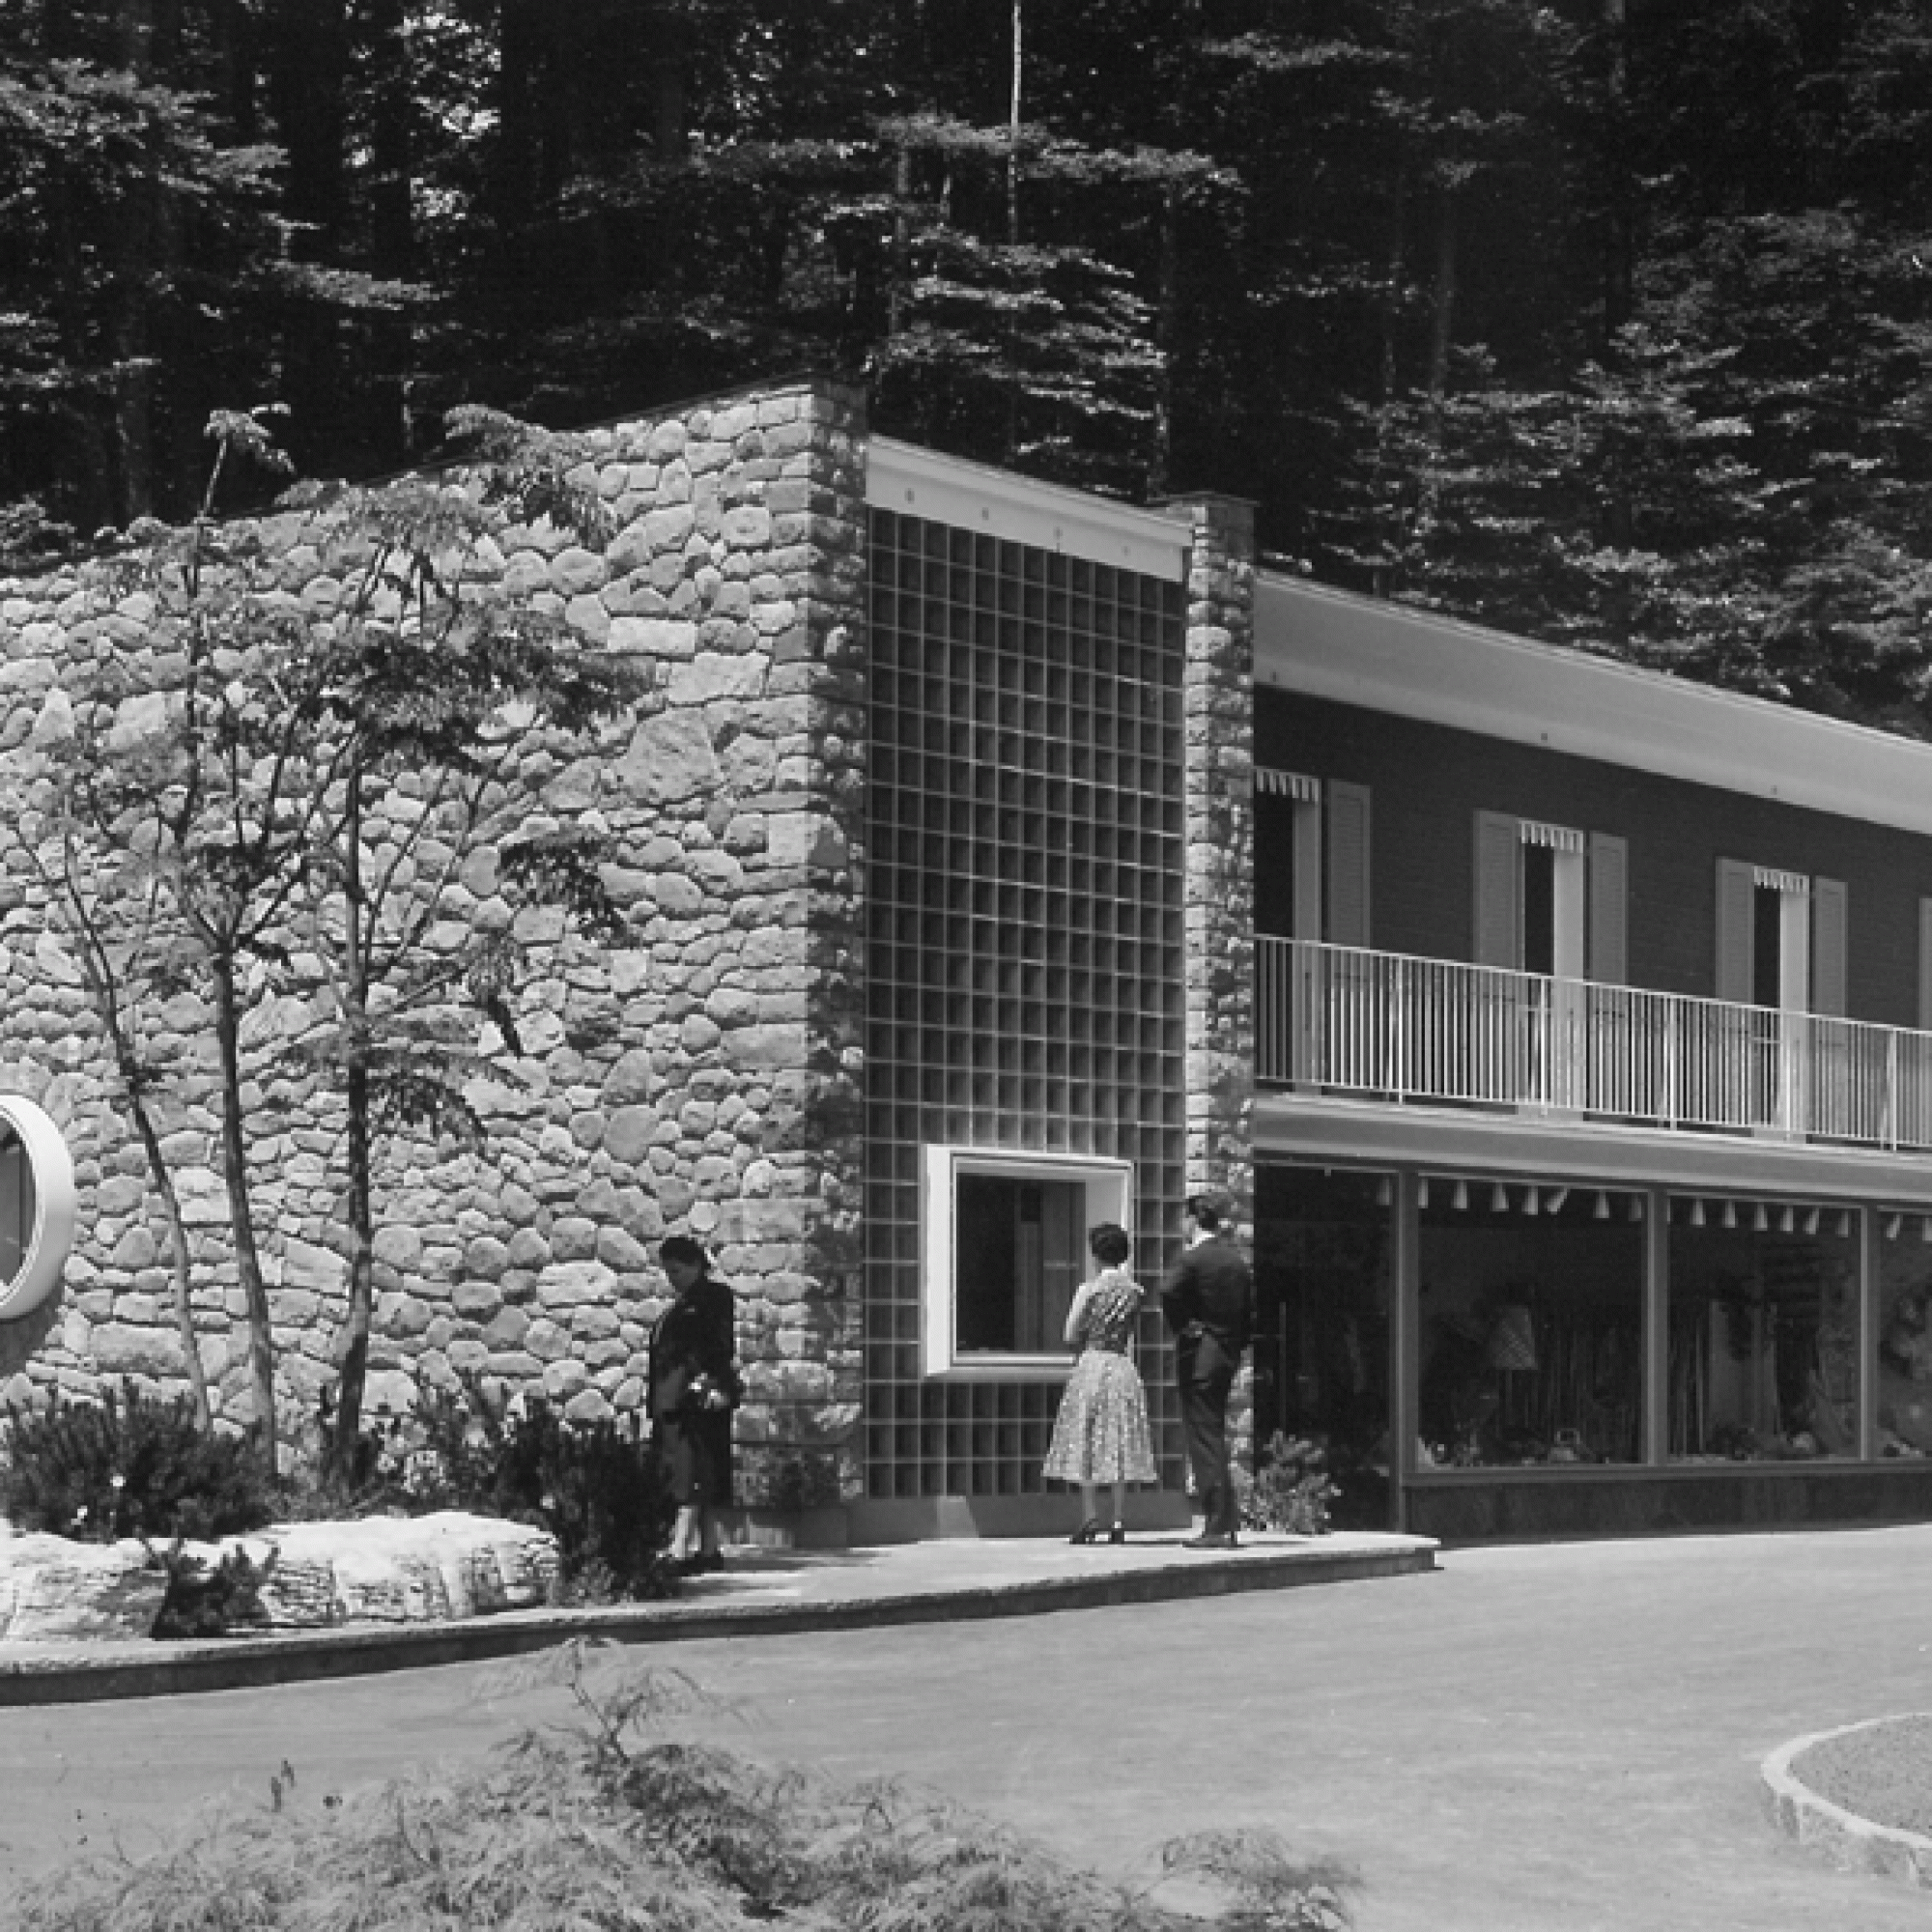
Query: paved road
[1550, 1739]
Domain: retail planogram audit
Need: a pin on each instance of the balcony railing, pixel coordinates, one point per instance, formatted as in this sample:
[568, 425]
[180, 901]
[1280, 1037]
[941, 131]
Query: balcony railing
[1385, 1026]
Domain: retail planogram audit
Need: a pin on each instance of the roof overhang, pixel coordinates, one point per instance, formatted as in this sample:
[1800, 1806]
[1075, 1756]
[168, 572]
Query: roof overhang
[1389, 657]
[923, 483]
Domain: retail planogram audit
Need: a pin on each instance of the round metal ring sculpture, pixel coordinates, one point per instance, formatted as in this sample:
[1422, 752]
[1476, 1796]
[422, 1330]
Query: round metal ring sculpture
[46, 1232]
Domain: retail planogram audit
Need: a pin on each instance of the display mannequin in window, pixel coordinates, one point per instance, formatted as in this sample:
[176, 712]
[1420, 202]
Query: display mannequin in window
[694, 1388]
[1100, 1435]
[1210, 1301]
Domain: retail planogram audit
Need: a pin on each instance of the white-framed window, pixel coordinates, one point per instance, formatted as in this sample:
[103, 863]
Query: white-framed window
[1550, 900]
[1004, 1250]
[1311, 857]
[1781, 939]
[37, 1203]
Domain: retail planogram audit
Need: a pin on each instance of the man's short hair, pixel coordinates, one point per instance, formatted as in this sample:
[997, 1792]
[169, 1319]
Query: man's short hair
[1206, 1210]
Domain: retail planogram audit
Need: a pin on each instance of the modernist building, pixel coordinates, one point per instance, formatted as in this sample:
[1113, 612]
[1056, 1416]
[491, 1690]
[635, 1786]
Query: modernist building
[1002, 859]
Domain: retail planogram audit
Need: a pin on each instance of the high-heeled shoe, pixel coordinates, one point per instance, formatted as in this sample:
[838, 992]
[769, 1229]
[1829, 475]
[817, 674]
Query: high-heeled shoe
[1088, 1531]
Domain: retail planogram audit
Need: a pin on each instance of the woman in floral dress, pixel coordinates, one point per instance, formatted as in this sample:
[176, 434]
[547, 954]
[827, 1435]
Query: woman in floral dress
[1100, 1435]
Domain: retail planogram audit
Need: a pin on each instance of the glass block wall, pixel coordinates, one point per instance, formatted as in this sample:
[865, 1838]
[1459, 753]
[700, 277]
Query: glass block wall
[1025, 951]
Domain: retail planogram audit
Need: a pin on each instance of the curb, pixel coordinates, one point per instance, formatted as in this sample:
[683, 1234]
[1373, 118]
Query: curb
[1850, 1842]
[160, 1670]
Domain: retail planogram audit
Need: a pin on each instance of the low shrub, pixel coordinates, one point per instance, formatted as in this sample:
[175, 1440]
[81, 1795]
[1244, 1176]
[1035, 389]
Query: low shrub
[129, 1465]
[595, 1486]
[1292, 1491]
[624, 1822]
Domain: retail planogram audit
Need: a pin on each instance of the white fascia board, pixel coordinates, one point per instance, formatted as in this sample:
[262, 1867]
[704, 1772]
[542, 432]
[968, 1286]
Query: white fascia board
[921, 482]
[1387, 657]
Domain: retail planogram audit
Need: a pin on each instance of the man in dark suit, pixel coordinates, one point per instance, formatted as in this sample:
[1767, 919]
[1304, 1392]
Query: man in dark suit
[1210, 1299]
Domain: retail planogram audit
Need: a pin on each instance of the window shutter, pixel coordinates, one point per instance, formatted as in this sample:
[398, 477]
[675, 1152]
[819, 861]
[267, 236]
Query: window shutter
[1609, 918]
[1498, 886]
[1306, 913]
[1348, 863]
[1828, 910]
[1736, 882]
[1925, 965]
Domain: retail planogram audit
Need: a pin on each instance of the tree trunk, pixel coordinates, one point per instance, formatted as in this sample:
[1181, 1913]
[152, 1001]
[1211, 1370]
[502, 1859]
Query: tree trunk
[353, 1346]
[241, 1213]
[1442, 302]
[393, 224]
[1161, 456]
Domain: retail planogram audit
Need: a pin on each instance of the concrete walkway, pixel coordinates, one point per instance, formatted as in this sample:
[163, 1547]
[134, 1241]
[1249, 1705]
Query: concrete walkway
[1535, 1738]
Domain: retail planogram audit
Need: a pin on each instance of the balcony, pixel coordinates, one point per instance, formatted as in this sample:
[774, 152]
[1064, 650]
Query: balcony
[1384, 1026]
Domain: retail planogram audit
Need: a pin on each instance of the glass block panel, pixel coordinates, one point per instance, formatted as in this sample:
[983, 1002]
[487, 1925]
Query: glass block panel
[1025, 820]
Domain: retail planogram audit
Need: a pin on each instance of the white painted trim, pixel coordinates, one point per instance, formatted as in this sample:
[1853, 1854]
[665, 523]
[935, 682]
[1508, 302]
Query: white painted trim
[1386, 657]
[52, 1237]
[921, 482]
[1110, 1197]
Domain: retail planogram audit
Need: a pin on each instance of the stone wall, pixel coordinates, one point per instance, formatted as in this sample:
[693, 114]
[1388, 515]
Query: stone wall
[699, 1075]
[1219, 892]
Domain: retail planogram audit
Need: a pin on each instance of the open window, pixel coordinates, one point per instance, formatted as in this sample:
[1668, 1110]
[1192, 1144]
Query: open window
[1005, 1249]
[1311, 858]
[1550, 900]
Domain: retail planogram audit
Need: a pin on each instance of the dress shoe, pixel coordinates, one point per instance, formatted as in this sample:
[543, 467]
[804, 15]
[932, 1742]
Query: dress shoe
[1087, 1531]
[1211, 1539]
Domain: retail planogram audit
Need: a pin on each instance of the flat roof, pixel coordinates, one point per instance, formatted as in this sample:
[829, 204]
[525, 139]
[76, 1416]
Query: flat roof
[1415, 663]
[970, 495]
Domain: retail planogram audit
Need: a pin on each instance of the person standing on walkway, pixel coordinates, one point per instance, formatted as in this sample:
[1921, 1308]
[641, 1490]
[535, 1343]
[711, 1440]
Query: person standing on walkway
[694, 1388]
[1100, 1435]
[1210, 1299]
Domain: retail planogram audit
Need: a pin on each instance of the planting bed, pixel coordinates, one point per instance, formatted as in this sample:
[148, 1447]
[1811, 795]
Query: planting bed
[1862, 1795]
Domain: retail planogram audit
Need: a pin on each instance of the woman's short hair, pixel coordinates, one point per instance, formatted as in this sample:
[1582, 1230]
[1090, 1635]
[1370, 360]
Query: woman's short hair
[682, 1248]
[1109, 1242]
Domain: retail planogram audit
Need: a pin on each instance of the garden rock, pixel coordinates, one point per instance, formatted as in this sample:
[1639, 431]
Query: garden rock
[398, 1570]
[53, 1590]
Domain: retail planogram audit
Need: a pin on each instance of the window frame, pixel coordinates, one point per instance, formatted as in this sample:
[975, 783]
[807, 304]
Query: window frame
[50, 1240]
[1110, 1197]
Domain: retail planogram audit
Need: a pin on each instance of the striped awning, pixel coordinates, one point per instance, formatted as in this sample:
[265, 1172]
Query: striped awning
[1782, 882]
[1558, 837]
[1287, 784]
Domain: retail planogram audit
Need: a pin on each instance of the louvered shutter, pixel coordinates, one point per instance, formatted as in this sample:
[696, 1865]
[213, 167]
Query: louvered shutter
[1498, 888]
[1829, 911]
[1348, 863]
[1736, 882]
[1925, 965]
[1609, 918]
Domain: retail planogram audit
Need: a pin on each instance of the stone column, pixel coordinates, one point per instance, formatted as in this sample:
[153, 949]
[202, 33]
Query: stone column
[1219, 889]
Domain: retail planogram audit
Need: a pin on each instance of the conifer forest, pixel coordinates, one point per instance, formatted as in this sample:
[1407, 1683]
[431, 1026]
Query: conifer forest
[1601, 320]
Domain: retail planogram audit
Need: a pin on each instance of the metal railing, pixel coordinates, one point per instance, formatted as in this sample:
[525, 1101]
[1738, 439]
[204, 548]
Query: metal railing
[1388, 1026]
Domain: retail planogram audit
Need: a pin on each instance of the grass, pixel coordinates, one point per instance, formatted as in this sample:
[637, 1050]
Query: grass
[625, 1821]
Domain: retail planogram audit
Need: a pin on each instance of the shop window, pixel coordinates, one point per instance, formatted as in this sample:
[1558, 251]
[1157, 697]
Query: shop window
[1763, 1331]
[36, 1205]
[1321, 1337]
[1005, 1249]
[1531, 1323]
[1905, 1335]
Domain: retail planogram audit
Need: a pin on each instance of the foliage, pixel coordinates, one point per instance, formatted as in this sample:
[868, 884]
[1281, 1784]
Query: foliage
[1292, 1488]
[628, 1821]
[130, 1464]
[207, 1599]
[595, 1486]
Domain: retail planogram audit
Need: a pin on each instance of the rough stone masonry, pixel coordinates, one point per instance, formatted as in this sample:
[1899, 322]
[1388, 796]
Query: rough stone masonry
[701, 1074]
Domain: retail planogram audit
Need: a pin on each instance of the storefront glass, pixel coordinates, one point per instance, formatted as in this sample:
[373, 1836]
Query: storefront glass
[1763, 1331]
[1905, 1335]
[1322, 1344]
[1531, 1325]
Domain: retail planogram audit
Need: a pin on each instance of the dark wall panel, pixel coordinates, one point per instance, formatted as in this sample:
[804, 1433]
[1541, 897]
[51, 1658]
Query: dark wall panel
[1429, 781]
